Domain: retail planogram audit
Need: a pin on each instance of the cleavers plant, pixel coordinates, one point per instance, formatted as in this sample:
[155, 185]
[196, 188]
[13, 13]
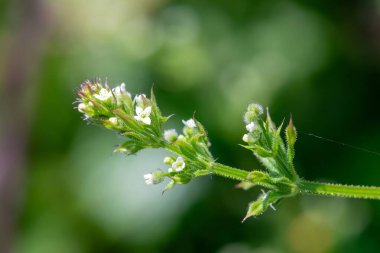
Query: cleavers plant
[140, 121]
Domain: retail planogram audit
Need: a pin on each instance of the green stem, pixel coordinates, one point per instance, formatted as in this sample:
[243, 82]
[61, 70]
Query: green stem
[339, 190]
[230, 172]
[308, 187]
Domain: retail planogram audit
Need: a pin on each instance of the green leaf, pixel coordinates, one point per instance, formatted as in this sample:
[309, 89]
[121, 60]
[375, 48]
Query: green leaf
[291, 137]
[277, 140]
[262, 204]
[291, 133]
[130, 147]
[258, 150]
[182, 178]
[169, 186]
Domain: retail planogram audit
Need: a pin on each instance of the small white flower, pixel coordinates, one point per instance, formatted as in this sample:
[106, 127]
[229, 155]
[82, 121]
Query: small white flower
[86, 109]
[82, 107]
[170, 170]
[250, 127]
[257, 108]
[179, 164]
[148, 178]
[248, 138]
[143, 114]
[170, 135]
[113, 121]
[120, 90]
[139, 100]
[103, 95]
[190, 123]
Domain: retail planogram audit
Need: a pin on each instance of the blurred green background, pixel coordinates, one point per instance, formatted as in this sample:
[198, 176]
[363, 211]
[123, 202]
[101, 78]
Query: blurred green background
[62, 189]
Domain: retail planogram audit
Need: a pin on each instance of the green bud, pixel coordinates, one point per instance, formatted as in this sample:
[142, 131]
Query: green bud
[169, 186]
[264, 201]
[169, 160]
[182, 178]
[154, 178]
[291, 133]
[87, 108]
[170, 135]
[253, 113]
[112, 123]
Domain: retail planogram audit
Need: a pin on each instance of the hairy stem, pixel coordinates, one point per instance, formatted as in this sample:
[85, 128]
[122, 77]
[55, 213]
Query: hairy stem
[339, 190]
[308, 187]
[230, 172]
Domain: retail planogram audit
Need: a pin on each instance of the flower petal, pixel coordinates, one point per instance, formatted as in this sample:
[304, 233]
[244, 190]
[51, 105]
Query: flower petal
[139, 110]
[148, 110]
[146, 120]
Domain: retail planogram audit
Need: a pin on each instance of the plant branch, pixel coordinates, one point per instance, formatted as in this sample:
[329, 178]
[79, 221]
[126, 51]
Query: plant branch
[339, 190]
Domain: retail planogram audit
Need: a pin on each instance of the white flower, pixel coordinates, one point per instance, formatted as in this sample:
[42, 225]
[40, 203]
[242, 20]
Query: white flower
[170, 170]
[143, 114]
[248, 138]
[179, 164]
[189, 123]
[170, 135]
[148, 178]
[82, 107]
[154, 177]
[86, 109]
[113, 121]
[120, 90]
[253, 113]
[257, 108]
[250, 127]
[104, 94]
[139, 100]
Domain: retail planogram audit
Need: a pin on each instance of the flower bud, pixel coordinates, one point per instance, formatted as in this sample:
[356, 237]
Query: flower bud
[121, 93]
[112, 123]
[140, 100]
[291, 133]
[189, 128]
[87, 109]
[190, 123]
[250, 137]
[256, 108]
[154, 178]
[251, 127]
[181, 138]
[253, 112]
[168, 160]
[104, 95]
[170, 135]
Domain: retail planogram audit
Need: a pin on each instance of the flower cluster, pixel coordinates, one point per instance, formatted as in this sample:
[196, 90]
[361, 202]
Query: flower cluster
[267, 144]
[191, 157]
[139, 120]
[251, 118]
